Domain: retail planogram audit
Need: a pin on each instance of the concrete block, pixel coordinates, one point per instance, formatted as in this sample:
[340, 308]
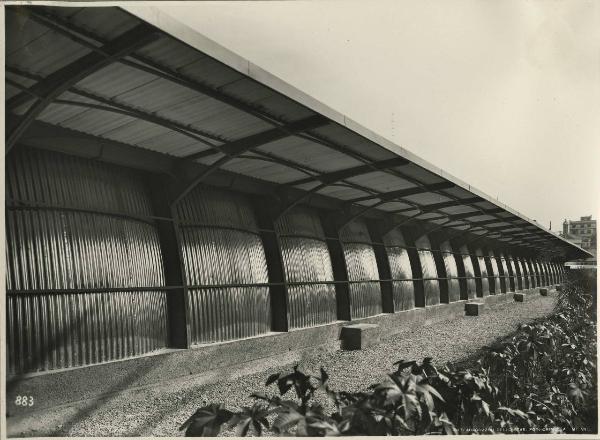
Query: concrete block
[543, 291]
[359, 336]
[519, 297]
[474, 308]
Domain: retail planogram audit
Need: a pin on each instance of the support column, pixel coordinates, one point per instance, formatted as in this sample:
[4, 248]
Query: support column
[440, 268]
[383, 266]
[491, 275]
[460, 267]
[415, 264]
[477, 271]
[338, 263]
[162, 191]
[266, 211]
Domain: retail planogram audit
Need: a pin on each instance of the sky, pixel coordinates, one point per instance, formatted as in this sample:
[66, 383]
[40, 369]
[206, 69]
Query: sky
[503, 95]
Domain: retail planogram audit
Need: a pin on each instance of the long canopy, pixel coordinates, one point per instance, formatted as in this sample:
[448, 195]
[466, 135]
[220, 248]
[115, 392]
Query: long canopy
[134, 86]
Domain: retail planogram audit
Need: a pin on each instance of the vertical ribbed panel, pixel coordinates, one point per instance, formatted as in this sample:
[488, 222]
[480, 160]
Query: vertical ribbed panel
[451, 271]
[509, 278]
[400, 269]
[469, 272]
[431, 285]
[539, 273]
[52, 249]
[485, 283]
[550, 273]
[221, 247]
[306, 259]
[524, 272]
[495, 276]
[543, 272]
[533, 273]
[530, 273]
[365, 297]
[516, 269]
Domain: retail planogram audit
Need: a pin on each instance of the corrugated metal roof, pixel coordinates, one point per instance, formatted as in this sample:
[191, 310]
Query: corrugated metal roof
[45, 51]
[310, 154]
[269, 171]
[355, 143]
[381, 181]
[168, 86]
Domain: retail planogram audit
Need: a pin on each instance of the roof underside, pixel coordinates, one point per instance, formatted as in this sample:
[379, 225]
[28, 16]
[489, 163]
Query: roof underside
[158, 93]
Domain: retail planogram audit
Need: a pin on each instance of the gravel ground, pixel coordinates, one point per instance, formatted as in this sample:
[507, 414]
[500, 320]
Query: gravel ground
[159, 411]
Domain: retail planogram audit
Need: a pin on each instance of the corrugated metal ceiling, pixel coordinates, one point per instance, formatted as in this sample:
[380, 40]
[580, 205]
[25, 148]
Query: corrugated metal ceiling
[167, 92]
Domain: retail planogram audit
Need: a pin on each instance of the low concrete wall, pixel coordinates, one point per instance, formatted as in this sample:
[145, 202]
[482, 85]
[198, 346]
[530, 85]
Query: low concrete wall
[60, 387]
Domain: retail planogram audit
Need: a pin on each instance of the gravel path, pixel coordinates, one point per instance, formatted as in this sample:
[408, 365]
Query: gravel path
[159, 411]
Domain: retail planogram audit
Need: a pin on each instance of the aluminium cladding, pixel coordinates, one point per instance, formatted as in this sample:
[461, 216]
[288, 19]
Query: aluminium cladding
[183, 96]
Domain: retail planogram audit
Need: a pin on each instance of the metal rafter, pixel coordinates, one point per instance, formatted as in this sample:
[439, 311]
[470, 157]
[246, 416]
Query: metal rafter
[441, 205]
[329, 179]
[71, 31]
[398, 194]
[111, 105]
[392, 196]
[69, 75]
[256, 140]
[74, 32]
[162, 71]
[236, 148]
[336, 176]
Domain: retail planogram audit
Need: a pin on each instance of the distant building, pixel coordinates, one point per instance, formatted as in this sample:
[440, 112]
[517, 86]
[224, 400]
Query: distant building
[581, 232]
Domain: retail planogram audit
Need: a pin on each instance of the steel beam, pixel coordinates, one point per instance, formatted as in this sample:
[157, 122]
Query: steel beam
[278, 293]
[178, 310]
[398, 194]
[111, 105]
[383, 267]
[69, 75]
[256, 140]
[390, 196]
[347, 173]
[441, 205]
[338, 264]
[240, 146]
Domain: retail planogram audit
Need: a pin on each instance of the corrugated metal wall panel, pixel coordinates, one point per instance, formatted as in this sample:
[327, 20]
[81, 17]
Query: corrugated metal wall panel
[533, 277]
[509, 273]
[530, 276]
[451, 271]
[365, 297]
[221, 251]
[52, 249]
[544, 272]
[306, 258]
[549, 272]
[538, 271]
[485, 283]
[517, 272]
[494, 277]
[431, 285]
[400, 269]
[469, 272]
[524, 272]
